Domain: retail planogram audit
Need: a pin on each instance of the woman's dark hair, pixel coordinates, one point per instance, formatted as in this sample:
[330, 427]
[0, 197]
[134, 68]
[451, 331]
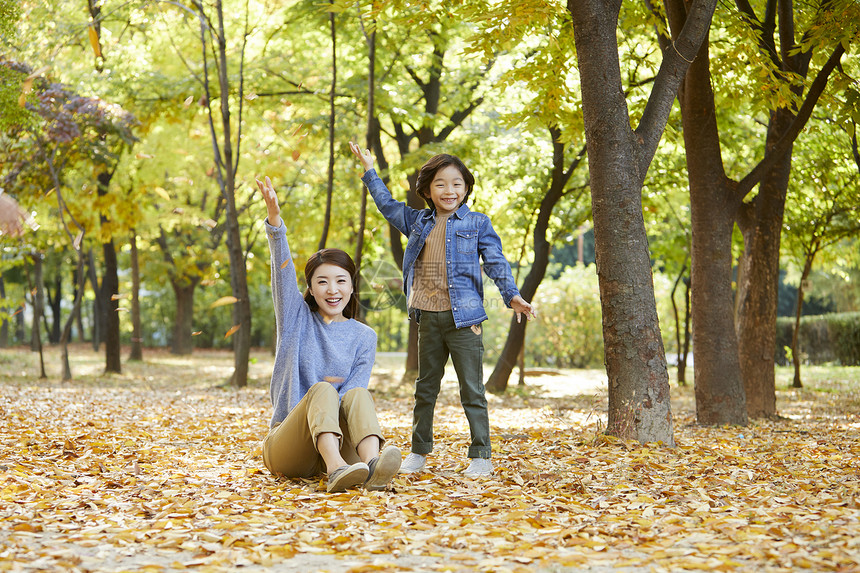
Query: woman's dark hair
[337, 258]
[434, 164]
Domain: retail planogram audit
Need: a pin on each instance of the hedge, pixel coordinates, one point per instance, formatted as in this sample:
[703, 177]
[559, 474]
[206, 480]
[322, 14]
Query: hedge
[825, 338]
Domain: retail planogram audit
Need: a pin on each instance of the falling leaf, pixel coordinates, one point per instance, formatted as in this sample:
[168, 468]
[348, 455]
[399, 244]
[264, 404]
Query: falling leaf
[285, 263]
[144, 156]
[121, 309]
[118, 296]
[77, 242]
[210, 223]
[197, 333]
[296, 155]
[224, 300]
[26, 88]
[232, 330]
[178, 210]
[188, 101]
[94, 41]
[161, 192]
[40, 72]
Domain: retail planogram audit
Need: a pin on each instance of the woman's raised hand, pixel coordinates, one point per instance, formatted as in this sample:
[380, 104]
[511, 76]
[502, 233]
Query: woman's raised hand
[364, 156]
[274, 210]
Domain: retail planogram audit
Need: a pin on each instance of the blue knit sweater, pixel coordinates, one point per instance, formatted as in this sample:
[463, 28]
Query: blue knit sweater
[309, 350]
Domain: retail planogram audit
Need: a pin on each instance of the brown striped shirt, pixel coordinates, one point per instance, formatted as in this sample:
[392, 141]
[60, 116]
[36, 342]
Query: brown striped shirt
[430, 282]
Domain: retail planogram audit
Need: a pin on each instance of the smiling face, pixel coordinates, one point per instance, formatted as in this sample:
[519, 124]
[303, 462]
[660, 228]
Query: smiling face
[447, 190]
[331, 287]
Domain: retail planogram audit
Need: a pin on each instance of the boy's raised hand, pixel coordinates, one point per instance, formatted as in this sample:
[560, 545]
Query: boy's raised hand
[274, 210]
[364, 157]
[521, 307]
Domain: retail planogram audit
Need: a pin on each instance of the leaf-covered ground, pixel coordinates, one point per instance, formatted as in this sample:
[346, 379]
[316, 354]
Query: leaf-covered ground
[159, 469]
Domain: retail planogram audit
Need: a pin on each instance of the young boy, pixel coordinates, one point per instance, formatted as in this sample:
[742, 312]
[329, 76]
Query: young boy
[445, 295]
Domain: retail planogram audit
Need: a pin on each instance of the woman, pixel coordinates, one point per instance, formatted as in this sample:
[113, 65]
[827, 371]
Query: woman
[324, 418]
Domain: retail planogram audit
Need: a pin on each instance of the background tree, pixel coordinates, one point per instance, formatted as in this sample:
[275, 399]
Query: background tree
[639, 405]
[823, 210]
[724, 387]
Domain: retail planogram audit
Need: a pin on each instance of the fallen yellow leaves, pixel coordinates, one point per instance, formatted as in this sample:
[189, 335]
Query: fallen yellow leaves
[151, 473]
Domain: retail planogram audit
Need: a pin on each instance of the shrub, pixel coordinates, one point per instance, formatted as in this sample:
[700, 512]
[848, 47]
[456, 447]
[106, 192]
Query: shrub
[567, 332]
[825, 338]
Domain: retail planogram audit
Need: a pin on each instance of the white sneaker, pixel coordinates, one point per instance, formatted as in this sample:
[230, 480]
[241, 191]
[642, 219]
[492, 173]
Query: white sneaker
[413, 463]
[479, 467]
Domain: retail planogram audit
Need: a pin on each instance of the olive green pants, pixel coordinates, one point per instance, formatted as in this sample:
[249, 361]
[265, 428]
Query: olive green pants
[438, 338]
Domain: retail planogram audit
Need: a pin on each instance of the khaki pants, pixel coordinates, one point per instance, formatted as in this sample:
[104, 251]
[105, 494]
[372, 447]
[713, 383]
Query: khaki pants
[290, 448]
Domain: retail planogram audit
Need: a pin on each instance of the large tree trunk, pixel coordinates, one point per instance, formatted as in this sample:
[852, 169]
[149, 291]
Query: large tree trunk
[184, 290]
[331, 134]
[761, 225]
[639, 406]
[79, 282]
[66, 336]
[416, 202]
[227, 162]
[55, 302]
[98, 302]
[4, 322]
[38, 294]
[38, 308]
[136, 334]
[110, 288]
[514, 343]
[795, 333]
[719, 388]
[373, 129]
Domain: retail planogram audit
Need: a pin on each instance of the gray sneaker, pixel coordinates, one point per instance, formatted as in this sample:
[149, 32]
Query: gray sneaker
[346, 477]
[413, 463]
[479, 467]
[382, 468]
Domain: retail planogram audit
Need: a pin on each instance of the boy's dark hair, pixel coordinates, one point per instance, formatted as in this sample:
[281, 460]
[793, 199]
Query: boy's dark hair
[434, 164]
[337, 258]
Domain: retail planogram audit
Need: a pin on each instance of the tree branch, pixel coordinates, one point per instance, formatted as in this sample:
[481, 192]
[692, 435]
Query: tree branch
[773, 155]
[672, 71]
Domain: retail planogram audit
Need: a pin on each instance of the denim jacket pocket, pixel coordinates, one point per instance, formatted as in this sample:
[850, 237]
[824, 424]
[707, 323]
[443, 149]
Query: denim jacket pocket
[467, 242]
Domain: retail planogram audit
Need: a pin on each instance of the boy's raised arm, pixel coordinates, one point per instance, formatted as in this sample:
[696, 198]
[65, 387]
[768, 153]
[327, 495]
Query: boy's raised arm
[395, 212]
[364, 157]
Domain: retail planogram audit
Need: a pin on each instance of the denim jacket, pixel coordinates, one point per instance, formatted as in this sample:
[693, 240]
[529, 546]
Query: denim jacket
[469, 236]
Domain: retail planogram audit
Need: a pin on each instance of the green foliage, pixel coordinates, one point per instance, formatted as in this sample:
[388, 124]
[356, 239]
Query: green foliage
[10, 12]
[825, 338]
[567, 332]
[12, 79]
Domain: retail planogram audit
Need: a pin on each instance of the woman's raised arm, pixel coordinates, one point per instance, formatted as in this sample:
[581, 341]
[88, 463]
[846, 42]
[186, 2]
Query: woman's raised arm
[271, 198]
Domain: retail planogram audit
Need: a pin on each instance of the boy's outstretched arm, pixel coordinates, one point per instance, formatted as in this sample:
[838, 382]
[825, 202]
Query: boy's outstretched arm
[521, 307]
[364, 157]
